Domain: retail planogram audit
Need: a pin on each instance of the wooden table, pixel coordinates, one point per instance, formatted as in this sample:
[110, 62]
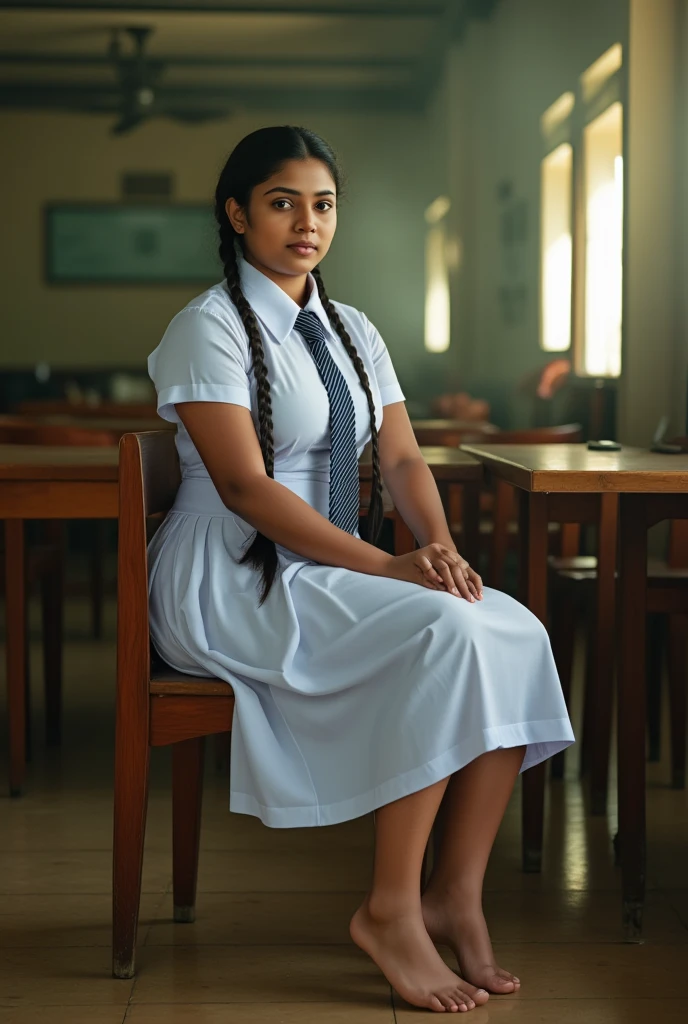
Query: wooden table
[568, 483]
[450, 467]
[42, 483]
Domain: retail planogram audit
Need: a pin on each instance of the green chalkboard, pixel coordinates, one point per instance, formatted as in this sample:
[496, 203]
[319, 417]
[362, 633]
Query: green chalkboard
[130, 244]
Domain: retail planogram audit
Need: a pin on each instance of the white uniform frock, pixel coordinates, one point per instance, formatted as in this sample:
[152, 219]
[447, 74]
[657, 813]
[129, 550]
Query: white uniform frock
[352, 690]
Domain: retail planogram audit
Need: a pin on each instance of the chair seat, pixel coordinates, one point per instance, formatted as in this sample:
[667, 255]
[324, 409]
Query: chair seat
[165, 681]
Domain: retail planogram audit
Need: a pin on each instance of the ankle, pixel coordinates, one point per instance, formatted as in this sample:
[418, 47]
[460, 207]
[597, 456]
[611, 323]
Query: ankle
[459, 894]
[384, 905]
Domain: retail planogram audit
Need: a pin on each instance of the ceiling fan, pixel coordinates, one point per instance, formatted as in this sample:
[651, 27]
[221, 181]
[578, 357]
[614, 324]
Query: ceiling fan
[138, 75]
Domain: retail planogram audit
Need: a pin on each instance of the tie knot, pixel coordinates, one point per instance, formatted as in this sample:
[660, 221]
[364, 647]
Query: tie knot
[308, 324]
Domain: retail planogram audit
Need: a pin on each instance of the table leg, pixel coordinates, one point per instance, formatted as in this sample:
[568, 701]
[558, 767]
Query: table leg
[15, 615]
[471, 522]
[533, 541]
[631, 708]
[603, 679]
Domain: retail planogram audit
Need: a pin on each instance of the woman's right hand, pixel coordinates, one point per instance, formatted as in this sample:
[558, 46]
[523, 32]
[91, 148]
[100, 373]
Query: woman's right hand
[437, 567]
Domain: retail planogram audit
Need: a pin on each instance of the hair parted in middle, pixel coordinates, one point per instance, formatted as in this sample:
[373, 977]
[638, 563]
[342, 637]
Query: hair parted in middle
[253, 160]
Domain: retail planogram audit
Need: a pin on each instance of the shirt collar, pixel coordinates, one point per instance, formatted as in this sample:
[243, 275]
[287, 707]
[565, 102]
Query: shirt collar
[273, 306]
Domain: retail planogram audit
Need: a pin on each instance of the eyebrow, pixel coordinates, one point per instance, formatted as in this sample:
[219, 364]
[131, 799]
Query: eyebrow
[295, 192]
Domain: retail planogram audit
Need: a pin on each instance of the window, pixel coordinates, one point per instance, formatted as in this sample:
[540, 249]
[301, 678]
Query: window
[556, 249]
[437, 305]
[603, 180]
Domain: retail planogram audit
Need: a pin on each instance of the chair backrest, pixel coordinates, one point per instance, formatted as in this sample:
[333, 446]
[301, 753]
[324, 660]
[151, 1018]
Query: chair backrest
[568, 433]
[18, 430]
[149, 478]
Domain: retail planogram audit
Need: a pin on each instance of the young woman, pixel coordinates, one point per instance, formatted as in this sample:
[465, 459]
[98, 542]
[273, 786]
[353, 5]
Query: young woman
[363, 681]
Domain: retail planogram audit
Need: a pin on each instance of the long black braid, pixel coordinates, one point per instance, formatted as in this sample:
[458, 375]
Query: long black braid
[255, 159]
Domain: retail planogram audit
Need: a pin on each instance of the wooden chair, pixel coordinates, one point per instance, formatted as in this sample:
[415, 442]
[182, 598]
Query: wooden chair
[158, 707]
[504, 506]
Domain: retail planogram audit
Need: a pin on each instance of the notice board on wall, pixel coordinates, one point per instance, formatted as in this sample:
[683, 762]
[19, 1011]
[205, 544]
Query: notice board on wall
[116, 243]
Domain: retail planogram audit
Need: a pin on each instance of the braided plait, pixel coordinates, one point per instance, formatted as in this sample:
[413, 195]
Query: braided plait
[262, 554]
[375, 509]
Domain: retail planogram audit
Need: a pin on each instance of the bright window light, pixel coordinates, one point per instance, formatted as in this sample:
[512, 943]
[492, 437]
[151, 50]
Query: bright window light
[601, 71]
[556, 249]
[437, 308]
[604, 242]
[557, 113]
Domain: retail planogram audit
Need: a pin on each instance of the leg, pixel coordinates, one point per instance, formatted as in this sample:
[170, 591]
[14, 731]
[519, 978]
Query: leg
[98, 547]
[16, 626]
[187, 793]
[471, 523]
[655, 673]
[52, 607]
[678, 683]
[474, 806]
[631, 708]
[132, 756]
[604, 636]
[389, 923]
[564, 620]
[533, 583]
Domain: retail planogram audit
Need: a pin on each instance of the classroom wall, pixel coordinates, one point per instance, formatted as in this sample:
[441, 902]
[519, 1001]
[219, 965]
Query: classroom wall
[499, 80]
[376, 262]
[654, 378]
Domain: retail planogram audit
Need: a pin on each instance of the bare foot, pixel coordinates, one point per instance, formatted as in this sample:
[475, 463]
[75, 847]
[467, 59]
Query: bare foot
[450, 923]
[403, 950]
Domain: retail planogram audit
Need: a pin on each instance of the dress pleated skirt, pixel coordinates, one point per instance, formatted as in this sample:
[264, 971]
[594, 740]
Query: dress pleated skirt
[351, 690]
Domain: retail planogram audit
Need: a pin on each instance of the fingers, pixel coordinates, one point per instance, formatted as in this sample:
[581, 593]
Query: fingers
[426, 566]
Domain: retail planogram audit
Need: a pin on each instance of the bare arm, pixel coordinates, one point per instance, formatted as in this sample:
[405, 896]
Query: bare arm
[225, 438]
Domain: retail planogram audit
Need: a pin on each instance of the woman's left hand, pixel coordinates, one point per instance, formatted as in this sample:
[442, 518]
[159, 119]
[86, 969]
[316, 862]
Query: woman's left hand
[447, 568]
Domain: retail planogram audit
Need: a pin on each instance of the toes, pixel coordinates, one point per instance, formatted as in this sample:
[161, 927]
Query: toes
[436, 1005]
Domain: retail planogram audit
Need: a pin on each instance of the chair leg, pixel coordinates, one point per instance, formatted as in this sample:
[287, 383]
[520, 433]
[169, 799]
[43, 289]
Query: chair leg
[52, 590]
[678, 685]
[563, 625]
[132, 757]
[187, 795]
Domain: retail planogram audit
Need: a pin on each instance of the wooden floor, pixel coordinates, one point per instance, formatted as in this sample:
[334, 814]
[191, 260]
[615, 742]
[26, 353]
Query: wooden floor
[270, 943]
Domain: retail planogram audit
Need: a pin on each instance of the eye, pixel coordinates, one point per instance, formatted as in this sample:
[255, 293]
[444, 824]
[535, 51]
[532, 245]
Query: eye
[280, 201]
[325, 202]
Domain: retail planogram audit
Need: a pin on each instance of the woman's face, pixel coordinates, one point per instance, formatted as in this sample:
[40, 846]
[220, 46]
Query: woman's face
[295, 207]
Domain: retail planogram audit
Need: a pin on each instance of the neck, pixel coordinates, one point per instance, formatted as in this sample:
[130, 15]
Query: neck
[295, 286]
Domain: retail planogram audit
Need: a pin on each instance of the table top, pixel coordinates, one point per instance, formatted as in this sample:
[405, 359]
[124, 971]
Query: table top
[36, 462]
[28, 462]
[446, 464]
[571, 467]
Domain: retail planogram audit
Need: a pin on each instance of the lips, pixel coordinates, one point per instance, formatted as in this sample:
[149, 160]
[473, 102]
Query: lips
[304, 246]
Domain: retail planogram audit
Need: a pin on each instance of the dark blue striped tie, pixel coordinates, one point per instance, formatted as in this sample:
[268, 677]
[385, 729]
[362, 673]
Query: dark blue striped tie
[344, 497]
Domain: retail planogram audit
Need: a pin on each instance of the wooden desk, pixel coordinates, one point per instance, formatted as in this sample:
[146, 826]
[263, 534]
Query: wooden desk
[42, 483]
[568, 483]
[450, 467]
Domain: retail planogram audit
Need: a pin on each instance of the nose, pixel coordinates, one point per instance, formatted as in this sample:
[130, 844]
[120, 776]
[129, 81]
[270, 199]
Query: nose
[306, 221]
